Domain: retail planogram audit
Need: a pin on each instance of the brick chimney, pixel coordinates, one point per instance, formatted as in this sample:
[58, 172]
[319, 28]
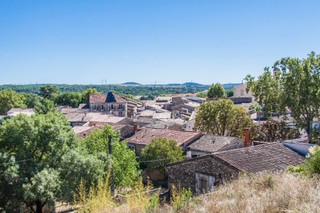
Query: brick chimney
[135, 128]
[246, 138]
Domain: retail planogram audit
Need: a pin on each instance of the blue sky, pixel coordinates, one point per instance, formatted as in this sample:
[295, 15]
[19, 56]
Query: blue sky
[162, 41]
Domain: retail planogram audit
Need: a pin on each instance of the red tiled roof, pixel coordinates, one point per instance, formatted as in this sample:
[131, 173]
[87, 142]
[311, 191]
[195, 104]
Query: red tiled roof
[145, 136]
[97, 98]
[103, 98]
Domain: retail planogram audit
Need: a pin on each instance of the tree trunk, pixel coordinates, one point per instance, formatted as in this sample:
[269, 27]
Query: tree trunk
[308, 130]
[39, 206]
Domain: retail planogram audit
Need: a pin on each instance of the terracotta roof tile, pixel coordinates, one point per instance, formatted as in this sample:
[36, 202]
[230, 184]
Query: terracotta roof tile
[97, 98]
[103, 98]
[145, 136]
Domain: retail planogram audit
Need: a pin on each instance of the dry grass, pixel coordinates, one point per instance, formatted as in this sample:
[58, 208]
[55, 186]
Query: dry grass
[278, 192]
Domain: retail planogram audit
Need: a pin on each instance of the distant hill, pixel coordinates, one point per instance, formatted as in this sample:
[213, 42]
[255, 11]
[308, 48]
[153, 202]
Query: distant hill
[131, 84]
[229, 85]
[192, 84]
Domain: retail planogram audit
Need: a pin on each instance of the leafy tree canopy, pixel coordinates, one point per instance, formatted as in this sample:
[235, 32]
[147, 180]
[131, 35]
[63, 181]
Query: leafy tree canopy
[216, 91]
[85, 95]
[294, 85]
[124, 160]
[72, 99]
[31, 99]
[273, 130]
[40, 161]
[160, 152]
[44, 106]
[223, 118]
[10, 99]
[49, 92]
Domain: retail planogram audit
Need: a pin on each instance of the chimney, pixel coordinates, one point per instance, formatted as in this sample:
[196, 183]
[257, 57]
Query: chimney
[246, 138]
[135, 128]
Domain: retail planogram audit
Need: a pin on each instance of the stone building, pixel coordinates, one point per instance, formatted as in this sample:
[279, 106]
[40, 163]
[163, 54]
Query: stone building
[110, 103]
[202, 174]
[208, 144]
[144, 137]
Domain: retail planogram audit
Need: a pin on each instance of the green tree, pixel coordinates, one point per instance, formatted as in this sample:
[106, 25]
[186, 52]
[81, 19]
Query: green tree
[223, 118]
[85, 95]
[44, 106]
[124, 160]
[311, 165]
[160, 152]
[216, 91]
[301, 86]
[31, 99]
[294, 86]
[72, 99]
[39, 160]
[267, 91]
[10, 99]
[49, 92]
[229, 93]
[273, 130]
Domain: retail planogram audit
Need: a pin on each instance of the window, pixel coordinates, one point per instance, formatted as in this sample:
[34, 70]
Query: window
[102, 107]
[120, 106]
[111, 106]
[120, 114]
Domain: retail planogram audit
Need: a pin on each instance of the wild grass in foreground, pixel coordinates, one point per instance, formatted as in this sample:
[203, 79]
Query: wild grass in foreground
[276, 192]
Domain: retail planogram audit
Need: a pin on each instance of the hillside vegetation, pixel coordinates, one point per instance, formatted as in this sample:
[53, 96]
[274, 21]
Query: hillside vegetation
[276, 192]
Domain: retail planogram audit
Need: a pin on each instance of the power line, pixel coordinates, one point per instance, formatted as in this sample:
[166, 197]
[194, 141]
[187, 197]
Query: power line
[163, 159]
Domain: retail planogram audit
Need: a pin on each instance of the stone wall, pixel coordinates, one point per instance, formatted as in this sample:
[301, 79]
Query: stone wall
[183, 174]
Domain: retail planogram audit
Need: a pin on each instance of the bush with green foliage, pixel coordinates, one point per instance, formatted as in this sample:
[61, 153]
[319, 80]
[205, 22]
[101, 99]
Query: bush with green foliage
[10, 99]
[40, 162]
[311, 165]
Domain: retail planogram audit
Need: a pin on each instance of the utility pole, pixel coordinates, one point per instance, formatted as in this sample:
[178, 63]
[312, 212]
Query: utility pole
[111, 170]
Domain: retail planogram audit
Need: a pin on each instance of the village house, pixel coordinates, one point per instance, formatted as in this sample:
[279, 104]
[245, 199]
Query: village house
[110, 103]
[82, 117]
[208, 144]
[125, 130]
[240, 95]
[144, 137]
[173, 124]
[190, 124]
[100, 119]
[202, 174]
